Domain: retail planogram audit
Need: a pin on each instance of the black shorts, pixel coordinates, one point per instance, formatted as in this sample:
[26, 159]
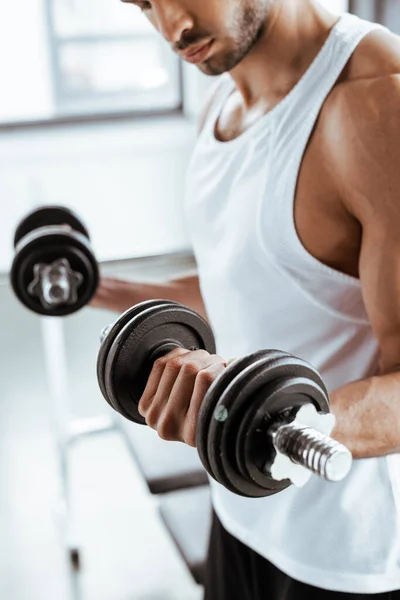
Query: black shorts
[235, 572]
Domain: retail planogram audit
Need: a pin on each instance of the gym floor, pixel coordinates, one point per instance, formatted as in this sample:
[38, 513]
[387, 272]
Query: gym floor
[126, 552]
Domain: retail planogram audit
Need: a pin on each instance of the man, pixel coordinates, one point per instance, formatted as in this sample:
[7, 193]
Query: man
[292, 205]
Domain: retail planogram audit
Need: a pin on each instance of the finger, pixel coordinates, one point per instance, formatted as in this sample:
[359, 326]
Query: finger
[204, 380]
[183, 390]
[178, 374]
[171, 421]
[154, 379]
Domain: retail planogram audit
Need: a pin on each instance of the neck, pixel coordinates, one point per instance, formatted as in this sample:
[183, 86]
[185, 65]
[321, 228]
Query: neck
[295, 32]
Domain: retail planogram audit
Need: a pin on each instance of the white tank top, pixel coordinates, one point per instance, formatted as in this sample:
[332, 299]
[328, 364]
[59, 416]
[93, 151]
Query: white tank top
[262, 289]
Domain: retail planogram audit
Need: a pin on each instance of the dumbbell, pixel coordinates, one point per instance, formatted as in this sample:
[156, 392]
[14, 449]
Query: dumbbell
[264, 422]
[54, 270]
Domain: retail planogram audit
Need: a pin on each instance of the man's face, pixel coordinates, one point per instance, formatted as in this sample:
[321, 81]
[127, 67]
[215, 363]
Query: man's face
[224, 31]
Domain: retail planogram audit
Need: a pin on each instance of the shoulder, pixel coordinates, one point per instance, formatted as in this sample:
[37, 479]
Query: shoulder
[370, 77]
[377, 54]
[363, 111]
[359, 126]
[369, 83]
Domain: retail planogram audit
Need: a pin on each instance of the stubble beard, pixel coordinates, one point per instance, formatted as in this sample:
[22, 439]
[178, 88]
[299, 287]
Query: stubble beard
[247, 27]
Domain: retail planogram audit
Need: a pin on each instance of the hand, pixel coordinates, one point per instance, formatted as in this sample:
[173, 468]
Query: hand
[114, 294]
[175, 391]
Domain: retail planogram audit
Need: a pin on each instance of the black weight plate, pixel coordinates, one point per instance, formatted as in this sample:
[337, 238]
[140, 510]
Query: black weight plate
[47, 247]
[128, 364]
[48, 215]
[236, 400]
[251, 408]
[255, 486]
[112, 334]
[210, 401]
[231, 400]
[263, 446]
[313, 390]
[244, 364]
[278, 369]
[256, 443]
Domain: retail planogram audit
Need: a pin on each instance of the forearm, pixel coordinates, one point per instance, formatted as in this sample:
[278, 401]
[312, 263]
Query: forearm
[368, 416]
[119, 295]
[185, 290]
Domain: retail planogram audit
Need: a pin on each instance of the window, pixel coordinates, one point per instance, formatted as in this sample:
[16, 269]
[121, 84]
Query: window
[386, 12]
[83, 57]
[106, 55]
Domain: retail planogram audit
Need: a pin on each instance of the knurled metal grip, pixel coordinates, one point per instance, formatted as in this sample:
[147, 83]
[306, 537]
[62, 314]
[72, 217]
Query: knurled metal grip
[302, 449]
[313, 450]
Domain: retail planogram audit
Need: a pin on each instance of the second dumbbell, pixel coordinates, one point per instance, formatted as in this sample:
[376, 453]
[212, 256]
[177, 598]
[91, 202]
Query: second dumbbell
[54, 271]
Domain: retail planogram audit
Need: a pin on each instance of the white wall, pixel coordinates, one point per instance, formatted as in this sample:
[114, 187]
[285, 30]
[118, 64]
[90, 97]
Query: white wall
[126, 181]
[24, 62]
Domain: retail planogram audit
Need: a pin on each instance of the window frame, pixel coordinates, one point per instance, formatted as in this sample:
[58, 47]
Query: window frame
[61, 101]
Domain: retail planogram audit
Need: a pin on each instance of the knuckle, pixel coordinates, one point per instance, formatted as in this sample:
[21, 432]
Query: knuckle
[166, 430]
[190, 368]
[159, 363]
[152, 418]
[144, 405]
[205, 378]
[203, 353]
[175, 364]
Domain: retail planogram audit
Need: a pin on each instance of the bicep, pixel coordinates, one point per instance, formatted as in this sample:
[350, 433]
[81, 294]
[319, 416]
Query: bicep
[366, 157]
[380, 280]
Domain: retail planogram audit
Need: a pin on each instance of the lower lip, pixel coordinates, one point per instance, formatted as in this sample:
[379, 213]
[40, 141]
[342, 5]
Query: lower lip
[201, 55]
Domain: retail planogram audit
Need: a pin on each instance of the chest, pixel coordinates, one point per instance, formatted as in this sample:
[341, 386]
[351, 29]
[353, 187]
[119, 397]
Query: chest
[325, 228]
[258, 283]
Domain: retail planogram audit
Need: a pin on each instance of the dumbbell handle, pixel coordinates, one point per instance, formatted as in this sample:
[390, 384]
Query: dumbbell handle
[56, 287]
[55, 283]
[313, 450]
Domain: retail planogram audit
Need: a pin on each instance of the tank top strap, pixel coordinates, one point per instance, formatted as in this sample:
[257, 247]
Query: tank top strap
[292, 132]
[304, 102]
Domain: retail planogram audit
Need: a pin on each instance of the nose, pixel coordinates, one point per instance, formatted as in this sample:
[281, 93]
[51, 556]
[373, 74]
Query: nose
[172, 20]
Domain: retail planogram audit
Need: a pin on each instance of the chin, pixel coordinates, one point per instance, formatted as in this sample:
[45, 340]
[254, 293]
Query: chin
[207, 70]
[217, 65]
[213, 67]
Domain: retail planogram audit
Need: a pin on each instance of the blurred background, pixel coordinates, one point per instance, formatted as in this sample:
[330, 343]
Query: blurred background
[98, 115]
